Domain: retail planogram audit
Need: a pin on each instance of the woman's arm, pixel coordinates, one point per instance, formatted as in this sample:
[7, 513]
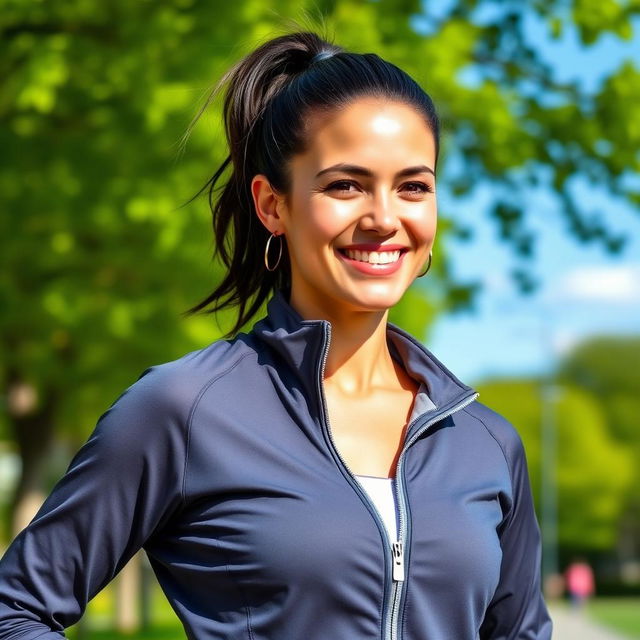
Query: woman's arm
[517, 610]
[122, 485]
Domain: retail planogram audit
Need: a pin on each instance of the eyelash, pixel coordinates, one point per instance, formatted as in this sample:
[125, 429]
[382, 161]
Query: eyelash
[424, 188]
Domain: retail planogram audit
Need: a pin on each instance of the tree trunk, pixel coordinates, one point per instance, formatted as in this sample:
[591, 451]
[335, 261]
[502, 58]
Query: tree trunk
[32, 424]
[127, 585]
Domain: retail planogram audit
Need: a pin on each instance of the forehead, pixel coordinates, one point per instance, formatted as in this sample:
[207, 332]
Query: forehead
[368, 130]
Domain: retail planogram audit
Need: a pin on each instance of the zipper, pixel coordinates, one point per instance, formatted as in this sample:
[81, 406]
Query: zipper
[396, 548]
[403, 510]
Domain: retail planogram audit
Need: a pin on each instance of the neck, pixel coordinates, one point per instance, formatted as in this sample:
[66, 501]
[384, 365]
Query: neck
[359, 359]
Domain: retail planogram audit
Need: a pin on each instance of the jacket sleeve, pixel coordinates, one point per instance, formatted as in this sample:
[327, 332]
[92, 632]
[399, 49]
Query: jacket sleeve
[120, 487]
[517, 610]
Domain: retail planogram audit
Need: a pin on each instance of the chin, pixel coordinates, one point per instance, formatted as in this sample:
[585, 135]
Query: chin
[380, 300]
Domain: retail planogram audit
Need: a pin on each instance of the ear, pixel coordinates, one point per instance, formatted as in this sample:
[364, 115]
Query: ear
[269, 204]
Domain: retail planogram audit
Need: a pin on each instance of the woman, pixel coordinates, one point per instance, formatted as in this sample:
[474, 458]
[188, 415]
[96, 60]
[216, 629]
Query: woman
[323, 475]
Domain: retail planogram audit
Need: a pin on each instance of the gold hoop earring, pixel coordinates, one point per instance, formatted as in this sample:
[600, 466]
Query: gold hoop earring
[266, 253]
[428, 267]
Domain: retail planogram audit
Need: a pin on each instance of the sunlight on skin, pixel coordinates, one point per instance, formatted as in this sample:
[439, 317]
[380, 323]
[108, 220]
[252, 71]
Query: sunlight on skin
[341, 208]
[383, 124]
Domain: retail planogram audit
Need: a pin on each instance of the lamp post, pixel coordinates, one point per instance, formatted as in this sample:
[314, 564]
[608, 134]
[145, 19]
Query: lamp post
[548, 446]
[549, 485]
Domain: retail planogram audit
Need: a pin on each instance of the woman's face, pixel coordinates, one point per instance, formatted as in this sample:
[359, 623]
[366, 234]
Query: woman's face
[361, 216]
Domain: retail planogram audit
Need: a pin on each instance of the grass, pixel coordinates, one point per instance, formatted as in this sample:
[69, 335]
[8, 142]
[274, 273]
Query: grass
[154, 633]
[619, 614]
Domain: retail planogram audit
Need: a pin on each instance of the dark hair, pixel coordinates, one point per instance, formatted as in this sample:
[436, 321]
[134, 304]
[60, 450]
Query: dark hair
[271, 94]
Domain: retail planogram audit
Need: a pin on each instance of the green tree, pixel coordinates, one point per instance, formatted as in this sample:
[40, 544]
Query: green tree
[607, 368]
[594, 472]
[98, 260]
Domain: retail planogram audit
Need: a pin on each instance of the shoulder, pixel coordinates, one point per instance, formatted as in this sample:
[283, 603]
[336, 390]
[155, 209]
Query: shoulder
[163, 396]
[509, 440]
[499, 428]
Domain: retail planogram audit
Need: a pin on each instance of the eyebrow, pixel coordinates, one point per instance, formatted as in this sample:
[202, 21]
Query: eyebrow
[363, 171]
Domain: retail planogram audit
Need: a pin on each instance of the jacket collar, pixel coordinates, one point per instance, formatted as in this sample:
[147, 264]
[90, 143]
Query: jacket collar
[301, 343]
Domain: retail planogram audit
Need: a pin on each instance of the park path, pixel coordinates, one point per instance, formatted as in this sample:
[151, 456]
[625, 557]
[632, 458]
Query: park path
[571, 625]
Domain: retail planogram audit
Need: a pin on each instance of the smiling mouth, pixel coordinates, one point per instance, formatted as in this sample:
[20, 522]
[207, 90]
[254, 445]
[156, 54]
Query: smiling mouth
[373, 257]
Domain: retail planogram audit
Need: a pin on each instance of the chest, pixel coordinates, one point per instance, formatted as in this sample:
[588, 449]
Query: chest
[369, 432]
[268, 508]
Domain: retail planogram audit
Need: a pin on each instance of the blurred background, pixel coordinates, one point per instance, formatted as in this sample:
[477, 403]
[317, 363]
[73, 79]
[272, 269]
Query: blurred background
[534, 293]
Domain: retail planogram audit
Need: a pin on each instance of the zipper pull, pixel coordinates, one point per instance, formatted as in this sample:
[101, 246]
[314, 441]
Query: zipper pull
[398, 561]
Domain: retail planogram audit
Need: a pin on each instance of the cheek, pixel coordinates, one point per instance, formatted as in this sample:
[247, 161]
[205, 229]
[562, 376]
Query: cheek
[422, 222]
[326, 220]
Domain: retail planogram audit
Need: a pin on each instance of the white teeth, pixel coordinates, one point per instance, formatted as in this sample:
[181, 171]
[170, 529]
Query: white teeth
[373, 257]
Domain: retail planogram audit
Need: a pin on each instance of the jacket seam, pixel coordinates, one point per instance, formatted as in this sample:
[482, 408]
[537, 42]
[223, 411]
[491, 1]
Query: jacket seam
[237, 585]
[506, 459]
[192, 411]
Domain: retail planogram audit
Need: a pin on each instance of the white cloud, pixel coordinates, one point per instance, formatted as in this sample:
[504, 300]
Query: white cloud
[614, 284]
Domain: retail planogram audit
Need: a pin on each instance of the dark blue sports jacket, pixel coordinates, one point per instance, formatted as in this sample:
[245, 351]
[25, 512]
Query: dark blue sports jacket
[221, 465]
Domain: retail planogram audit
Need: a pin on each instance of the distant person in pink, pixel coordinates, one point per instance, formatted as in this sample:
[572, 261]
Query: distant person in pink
[580, 582]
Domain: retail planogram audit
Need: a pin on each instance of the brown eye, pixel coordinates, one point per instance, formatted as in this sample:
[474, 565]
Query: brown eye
[340, 185]
[418, 187]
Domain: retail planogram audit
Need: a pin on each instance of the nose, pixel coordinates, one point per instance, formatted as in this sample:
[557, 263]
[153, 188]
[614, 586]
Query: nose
[380, 216]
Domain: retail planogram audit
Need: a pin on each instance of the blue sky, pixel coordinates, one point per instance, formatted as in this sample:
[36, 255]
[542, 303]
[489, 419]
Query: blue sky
[584, 290]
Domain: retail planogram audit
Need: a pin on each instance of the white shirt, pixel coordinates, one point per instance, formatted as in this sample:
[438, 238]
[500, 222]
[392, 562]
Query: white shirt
[383, 494]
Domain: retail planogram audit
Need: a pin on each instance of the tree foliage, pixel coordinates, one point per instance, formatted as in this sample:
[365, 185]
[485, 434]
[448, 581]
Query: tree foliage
[607, 369]
[594, 472]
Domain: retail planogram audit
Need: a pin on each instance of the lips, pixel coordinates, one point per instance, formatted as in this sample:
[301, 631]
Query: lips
[373, 260]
